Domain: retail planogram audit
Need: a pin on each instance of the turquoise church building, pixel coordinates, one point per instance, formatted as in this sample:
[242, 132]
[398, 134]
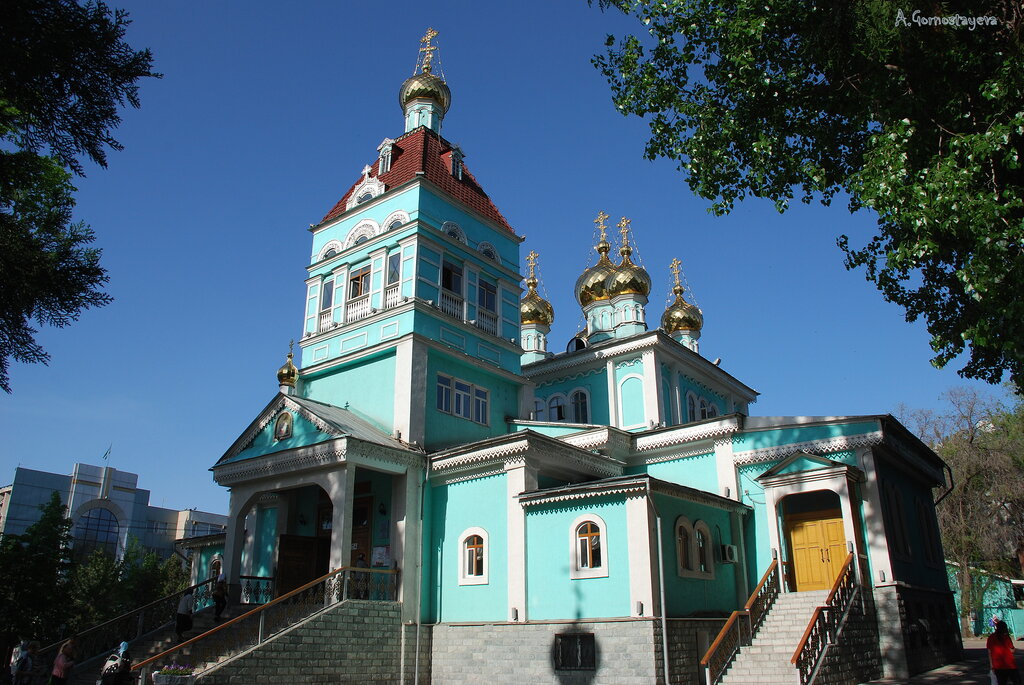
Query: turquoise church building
[597, 511]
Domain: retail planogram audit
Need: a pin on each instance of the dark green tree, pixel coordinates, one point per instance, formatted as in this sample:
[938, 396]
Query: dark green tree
[916, 115]
[34, 567]
[65, 70]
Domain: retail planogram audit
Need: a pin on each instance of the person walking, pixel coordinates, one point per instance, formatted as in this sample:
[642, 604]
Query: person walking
[23, 666]
[1000, 654]
[183, 620]
[63, 664]
[220, 596]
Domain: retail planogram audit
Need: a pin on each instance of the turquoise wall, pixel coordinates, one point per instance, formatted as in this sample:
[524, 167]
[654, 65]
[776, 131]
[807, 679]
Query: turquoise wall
[755, 532]
[357, 336]
[552, 593]
[380, 489]
[379, 211]
[695, 472]
[455, 508]
[999, 602]
[772, 438]
[595, 382]
[303, 433]
[444, 430]
[687, 596]
[437, 210]
[368, 385]
[265, 542]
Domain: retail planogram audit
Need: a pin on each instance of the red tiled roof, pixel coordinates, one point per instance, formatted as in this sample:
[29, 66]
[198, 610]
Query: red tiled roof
[424, 150]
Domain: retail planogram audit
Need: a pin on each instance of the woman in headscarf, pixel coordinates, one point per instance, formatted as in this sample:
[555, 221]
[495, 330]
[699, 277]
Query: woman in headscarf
[1000, 654]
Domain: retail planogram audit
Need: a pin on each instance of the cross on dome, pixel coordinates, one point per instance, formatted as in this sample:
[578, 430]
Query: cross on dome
[531, 261]
[427, 50]
[601, 216]
[674, 268]
[624, 228]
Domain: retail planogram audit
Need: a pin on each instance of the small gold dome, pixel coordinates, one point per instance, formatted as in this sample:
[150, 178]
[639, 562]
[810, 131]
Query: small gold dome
[534, 309]
[681, 315]
[590, 286]
[425, 85]
[287, 374]
[628, 279]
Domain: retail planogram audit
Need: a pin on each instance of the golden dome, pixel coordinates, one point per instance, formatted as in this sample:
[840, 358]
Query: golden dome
[628, 278]
[425, 85]
[681, 315]
[287, 374]
[534, 309]
[590, 286]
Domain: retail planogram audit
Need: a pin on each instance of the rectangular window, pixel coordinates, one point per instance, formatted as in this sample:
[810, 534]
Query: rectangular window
[487, 296]
[480, 404]
[359, 282]
[463, 392]
[451, 277]
[444, 394]
[327, 295]
[394, 267]
[575, 652]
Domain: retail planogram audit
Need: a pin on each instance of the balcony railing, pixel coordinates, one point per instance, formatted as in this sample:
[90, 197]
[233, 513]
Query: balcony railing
[357, 308]
[487, 321]
[451, 304]
[392, 295]
[325, 321]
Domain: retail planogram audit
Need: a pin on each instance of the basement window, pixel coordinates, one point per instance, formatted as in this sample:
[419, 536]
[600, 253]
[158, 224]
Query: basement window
[575, 652]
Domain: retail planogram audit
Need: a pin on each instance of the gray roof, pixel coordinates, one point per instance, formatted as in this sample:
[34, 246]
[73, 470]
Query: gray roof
[346, 422]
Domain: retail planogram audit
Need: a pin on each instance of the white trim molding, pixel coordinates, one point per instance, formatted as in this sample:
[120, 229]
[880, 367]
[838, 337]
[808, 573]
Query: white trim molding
[464, 576]
[577, 570]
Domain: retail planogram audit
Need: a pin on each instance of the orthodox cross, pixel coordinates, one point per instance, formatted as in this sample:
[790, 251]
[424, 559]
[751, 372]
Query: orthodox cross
[601, 216]
[531, 260]
[624, 229]
[428, 49]
[674, 267]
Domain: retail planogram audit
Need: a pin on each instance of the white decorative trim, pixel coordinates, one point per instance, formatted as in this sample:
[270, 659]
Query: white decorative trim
[633, 489]
[575, 376]
[399, 215]
[485, 247]
[709, 429]
[464, 578]
[367, 228]
[374, 186]
[838, 444]
[331, 245]
[453, 230]
[685, 454]
[628, 363]
[575, 570]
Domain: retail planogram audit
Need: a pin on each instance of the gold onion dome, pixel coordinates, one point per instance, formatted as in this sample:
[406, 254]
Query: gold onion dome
[628, 279]
[287, 374]
[681, 315]
[534, 309]
[425, 85]
[590, 286]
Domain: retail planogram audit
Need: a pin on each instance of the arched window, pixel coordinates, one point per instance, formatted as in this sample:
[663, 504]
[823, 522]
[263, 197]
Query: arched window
[588, 536]
[589, 558]
[691, 407]
[580, 408]
[684, 543]
[539, 410]
[704, 556]
[474, 561]
[97, 528]
[330, 253]
[556, 408]
[365, 197]
[712, 410]
[394, 224]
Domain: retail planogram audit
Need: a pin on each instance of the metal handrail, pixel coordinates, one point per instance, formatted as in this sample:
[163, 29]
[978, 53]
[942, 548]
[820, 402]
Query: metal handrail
[254, 627]
[759, 602]
[102, 638]
[823, 626]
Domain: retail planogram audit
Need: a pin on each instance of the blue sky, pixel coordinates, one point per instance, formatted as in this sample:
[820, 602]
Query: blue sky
[267, 114]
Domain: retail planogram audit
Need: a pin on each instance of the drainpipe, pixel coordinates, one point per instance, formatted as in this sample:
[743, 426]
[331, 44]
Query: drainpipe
[661, 586]
[419, 579]
[952, 484]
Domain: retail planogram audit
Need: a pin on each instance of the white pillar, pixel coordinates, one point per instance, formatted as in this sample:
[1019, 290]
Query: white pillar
[519, 477]
[341, 489]
[406, 494]
[652, 388]
[643, 565]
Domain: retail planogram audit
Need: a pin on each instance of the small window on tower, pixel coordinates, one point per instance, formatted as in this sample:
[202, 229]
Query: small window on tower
[365, 197]
[359, 282]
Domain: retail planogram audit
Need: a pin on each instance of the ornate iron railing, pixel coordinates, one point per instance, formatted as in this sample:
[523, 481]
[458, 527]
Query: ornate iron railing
[256, 589]
[100, 640]
[825, 624]
[741, 627]
[254, 627]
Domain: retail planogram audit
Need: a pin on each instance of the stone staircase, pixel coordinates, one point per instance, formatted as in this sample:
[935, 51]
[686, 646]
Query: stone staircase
[88, 673]
[766, 660]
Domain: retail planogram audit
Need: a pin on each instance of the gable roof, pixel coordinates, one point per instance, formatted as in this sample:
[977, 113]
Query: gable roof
[424, 152]
[335, 421]
[822, 463]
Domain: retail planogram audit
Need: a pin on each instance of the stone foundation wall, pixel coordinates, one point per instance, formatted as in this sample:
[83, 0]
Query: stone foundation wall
[490, 653]
[688, 640]
[855, 658]
[354, 642]
[918, 630]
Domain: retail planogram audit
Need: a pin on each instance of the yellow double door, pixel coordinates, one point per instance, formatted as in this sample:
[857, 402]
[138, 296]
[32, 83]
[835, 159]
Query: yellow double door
[818, 548]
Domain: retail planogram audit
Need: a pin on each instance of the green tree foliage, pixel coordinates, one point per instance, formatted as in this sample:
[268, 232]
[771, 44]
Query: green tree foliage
[65, 69]
[34, 567]
[919, 120]
[982, 517]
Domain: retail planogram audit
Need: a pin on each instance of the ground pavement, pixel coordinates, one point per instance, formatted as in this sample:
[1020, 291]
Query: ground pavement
[973, 670]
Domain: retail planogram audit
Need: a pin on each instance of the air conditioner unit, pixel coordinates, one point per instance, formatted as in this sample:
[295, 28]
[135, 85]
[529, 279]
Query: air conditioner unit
[730, 555]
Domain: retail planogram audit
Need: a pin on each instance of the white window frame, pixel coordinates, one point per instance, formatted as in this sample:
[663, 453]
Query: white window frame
[454, 231]
[572, 408]
[709, 573]
[692, 402]
[462, 403]
[575, 571]
[552, 416]
[464, 577]
[685, 571]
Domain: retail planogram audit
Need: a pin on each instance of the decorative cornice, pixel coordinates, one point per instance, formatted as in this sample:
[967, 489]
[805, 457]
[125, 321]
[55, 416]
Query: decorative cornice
[724, 426]
[686, 454]
[630, 490]
[565, 379]
[589, 355]
[271, 413]
[837, 444]
[289, 462]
